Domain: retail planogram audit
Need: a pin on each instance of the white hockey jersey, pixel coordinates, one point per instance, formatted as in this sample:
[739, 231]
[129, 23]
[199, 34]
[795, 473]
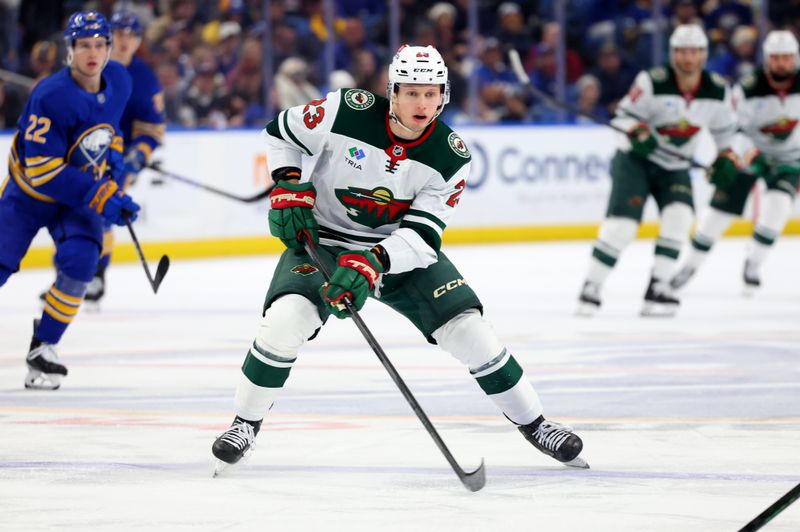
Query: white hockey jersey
[769, 118]
[675, 118]
[371, 186]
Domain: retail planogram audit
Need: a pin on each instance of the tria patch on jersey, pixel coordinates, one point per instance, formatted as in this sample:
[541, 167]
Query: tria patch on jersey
[458, 145]
[372, 208]
[304, 269]
[680, 133]
[781, 129]
[358, 99]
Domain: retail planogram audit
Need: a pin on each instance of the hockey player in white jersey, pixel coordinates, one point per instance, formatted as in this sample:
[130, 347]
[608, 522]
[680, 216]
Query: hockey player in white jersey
[663, 113]
[388, 178]
[768, 105]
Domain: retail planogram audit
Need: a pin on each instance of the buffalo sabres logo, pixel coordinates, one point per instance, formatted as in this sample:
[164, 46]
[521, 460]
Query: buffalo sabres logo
[94, 145]
[458, 145]
[358, 99]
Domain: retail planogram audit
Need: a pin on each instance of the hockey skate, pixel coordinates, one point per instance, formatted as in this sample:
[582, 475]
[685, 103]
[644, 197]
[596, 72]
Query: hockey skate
[44, 370]
[95, 291]
[235, 443]
[752, 280]
[556, 441]
[659, 300]
[589, 300]
[682, 277]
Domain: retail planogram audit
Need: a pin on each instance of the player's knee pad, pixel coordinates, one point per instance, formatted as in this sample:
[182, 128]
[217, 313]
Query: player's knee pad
[676, 221]
[775, 209]
[287, 324]
[618, 232]
[77, 258]
[469, 338]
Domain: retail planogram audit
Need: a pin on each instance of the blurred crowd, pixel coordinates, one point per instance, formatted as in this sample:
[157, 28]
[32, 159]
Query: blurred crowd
[209, 54]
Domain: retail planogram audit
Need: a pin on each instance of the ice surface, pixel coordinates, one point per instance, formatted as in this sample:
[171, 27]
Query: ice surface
[690, 424]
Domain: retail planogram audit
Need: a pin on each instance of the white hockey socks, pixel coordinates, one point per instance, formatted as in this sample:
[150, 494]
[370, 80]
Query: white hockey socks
[676, 220]
[710, 228]
[775, 209]
[615, 234]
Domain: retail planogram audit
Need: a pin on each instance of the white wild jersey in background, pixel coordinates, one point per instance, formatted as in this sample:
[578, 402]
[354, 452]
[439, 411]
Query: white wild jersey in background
[769, 118]
[372, 187]
[674, 118]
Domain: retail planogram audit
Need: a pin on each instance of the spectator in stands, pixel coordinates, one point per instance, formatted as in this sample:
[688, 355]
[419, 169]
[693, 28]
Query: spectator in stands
[496, 82]
[170, 80]
[206, 101]
[246, 82]
[615, 75]
[228, 46]
[180, 16]
[43, 60]
[512, 31]
[684, 12]
[588, 100]
[442, 17]
[740, 57]
[353, 39]
[291, 84]
[551, 37]
[342, 79]
[722, 21]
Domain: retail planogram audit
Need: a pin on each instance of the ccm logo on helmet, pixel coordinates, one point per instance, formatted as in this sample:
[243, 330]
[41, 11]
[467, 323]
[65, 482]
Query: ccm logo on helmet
[423, 70]
[451, 285]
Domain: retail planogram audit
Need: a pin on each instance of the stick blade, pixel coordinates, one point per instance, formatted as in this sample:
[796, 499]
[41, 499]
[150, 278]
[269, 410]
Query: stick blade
[476, 480]
[161, 271]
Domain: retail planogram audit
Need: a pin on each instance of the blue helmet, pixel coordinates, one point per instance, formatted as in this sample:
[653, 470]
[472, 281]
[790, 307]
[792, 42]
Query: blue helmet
[126, 20]
[87, 24]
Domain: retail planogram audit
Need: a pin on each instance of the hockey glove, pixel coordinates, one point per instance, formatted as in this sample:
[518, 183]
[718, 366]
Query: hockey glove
[760, 166]
[723, 171]
[354, 277]
[116, 166]
[642, 142]
[106, 199]
[291, 213]
[135, 161]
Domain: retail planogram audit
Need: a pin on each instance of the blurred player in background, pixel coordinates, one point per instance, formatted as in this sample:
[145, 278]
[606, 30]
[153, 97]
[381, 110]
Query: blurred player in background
[768, 105]
[60, 178]
[388, 179]
[663, 113]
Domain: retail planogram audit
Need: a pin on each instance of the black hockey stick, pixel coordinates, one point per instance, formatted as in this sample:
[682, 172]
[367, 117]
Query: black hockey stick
[473, 481]
[777, 507]
[522, 76]
[163, 264]
[244, 199]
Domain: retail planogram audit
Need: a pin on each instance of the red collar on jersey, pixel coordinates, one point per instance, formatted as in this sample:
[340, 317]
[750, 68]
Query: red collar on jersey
[397, 149]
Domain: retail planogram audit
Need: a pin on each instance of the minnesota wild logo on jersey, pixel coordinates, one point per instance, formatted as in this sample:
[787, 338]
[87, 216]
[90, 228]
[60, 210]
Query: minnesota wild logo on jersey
[372, 208]
[780, 129]
[304, 269]
[680, 133]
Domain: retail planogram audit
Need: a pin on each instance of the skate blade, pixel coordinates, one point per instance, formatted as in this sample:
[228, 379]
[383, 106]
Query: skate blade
[577, 462]
[586, 310]
[219, 467]
[750, 290]
[36, 380]
[658, 310]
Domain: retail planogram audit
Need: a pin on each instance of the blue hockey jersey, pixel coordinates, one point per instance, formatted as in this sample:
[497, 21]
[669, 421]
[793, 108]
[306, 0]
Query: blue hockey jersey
[143, 120]
[64, 134]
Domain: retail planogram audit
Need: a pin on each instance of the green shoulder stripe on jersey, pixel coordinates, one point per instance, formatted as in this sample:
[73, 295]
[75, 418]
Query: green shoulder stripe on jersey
[427, 216]
[273, 129]
[440, 151]
[427, 234]
[757, 85]
[712, 86]
[334, 234]
[292, 135]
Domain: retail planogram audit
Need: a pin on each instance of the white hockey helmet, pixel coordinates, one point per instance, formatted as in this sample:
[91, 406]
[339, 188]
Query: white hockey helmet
[780, 42]
[420, 65]
[688, 36]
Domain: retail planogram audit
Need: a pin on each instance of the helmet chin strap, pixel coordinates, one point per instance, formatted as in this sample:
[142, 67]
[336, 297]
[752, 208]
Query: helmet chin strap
[393, 118]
